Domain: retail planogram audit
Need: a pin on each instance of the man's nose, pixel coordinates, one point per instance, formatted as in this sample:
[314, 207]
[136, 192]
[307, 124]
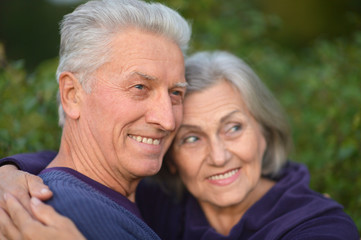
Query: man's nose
[161, 113]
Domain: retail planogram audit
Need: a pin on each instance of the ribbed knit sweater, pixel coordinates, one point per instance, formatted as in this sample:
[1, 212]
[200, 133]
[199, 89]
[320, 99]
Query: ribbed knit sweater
[98, 211]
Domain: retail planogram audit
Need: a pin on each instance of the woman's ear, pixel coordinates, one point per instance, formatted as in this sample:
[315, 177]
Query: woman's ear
[70, 91]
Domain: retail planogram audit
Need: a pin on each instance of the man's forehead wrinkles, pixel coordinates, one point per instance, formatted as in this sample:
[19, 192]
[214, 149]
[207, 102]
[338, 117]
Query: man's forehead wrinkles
[143, 75]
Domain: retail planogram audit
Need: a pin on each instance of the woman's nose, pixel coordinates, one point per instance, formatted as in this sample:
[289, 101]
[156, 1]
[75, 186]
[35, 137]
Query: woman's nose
[219, 155]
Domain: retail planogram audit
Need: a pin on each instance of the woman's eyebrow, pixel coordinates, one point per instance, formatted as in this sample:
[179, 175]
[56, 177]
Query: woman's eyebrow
[223, 119]
[189, 126]
[195, 127]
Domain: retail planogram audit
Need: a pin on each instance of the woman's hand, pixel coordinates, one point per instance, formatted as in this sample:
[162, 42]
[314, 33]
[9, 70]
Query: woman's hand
[17, 223]
[21, 185]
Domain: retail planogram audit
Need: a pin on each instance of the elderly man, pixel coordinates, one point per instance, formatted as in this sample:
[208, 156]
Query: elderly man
[121, 84]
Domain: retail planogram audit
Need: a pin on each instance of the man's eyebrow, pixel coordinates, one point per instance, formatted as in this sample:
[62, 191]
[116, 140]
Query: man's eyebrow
[181, 84]
[148, 77]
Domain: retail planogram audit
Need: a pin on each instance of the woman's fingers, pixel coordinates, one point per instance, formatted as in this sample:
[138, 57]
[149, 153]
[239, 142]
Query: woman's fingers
[18, 214]
[44, 213]
[2, 237]
[37, 188]
[6, 172]
[21, 185]
[7, 228]
[17, 223]
[14, 182]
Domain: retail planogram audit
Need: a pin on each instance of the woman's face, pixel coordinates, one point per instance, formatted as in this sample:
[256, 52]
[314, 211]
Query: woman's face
[219, 147]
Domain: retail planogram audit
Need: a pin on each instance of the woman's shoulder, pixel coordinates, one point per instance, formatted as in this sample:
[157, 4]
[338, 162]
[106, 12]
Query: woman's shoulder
[292, 193]
[291, 207]
[333, 224]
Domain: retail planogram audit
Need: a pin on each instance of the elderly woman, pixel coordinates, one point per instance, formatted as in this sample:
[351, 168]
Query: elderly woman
[226, 175]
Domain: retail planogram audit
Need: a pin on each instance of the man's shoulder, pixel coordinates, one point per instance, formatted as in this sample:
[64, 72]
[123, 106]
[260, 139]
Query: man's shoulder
[71, 192]
[72, 196]
[93, 213]
[60, 180]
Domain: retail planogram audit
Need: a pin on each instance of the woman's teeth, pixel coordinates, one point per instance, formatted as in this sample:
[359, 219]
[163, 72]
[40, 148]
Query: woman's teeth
[145, 140]
[224, 176]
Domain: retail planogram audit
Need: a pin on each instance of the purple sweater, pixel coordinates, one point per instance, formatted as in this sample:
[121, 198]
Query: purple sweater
[290, 210]
[98, 211]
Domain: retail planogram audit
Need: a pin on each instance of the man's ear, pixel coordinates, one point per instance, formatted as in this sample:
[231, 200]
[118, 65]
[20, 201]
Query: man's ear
[71, 92]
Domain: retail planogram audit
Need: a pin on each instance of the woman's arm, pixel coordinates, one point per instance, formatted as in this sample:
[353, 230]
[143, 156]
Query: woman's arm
[30, 162]
[17, 223]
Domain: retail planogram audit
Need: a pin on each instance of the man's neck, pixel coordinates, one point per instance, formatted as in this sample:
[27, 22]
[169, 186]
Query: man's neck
[87, 161]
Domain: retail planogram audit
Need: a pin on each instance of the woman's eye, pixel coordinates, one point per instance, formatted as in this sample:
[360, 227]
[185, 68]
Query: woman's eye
[234, 128]
[190, 139]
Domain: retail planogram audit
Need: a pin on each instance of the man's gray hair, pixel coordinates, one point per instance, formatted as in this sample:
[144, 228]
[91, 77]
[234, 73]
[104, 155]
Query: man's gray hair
[205, 69]
[87, 32]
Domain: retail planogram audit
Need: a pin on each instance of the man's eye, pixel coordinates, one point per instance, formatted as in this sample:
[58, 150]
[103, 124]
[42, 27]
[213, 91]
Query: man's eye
[139, 86]
[176, 96]
[177, 93]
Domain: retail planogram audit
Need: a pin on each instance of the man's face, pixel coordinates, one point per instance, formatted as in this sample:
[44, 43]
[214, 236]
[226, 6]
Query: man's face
[136, 104]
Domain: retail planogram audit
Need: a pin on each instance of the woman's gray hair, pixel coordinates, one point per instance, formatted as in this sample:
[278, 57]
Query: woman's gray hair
[205, 69]
[87, 32]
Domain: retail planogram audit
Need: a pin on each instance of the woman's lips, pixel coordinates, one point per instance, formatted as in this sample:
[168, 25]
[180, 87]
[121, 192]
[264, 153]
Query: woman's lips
[224, 178]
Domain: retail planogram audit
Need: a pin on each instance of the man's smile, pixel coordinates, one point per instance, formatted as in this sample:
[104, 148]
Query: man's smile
[145, 140]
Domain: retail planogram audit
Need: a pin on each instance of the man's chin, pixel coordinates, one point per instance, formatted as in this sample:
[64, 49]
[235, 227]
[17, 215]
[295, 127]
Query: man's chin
[150, 169]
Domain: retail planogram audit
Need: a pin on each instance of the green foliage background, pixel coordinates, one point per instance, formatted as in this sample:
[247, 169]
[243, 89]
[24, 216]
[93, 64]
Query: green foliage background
[318, 84]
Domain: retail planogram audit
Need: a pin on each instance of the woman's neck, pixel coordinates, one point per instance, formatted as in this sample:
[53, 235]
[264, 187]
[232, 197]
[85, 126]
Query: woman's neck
[223, 219]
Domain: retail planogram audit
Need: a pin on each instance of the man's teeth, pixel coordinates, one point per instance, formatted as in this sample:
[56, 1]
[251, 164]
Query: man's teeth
[224, 176]
[145, 140]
